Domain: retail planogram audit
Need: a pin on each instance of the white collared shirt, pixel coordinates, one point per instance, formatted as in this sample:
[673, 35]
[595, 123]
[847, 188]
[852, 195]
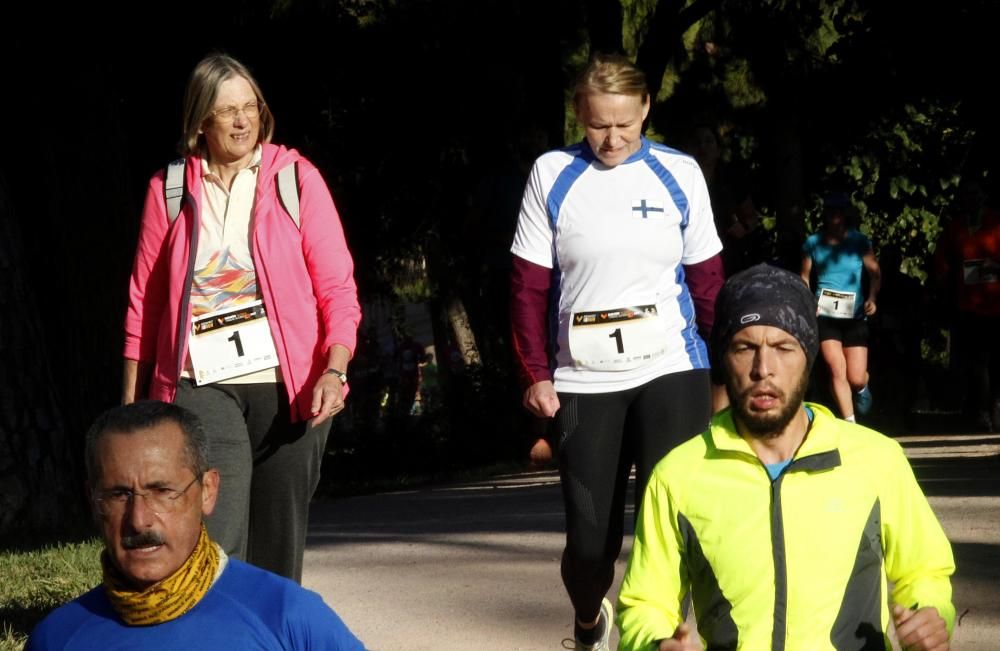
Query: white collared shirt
[224, 275]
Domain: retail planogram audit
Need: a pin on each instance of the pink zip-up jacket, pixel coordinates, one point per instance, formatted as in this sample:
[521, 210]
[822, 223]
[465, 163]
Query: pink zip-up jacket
[305, 275]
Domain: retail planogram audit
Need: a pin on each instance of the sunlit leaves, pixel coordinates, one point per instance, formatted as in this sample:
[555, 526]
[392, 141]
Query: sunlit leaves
[900, 191]
[739, 86]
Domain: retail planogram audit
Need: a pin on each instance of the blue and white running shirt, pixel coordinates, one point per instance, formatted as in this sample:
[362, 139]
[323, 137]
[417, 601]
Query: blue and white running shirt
[616, 239]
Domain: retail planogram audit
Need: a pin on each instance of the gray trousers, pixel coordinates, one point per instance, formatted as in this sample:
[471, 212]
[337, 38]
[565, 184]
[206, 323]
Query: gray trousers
[269, 469]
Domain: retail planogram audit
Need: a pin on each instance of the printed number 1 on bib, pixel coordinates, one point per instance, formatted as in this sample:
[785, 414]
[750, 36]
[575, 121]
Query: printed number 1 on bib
[836, 305]
[617, 336]
[618, 339]
[230, 343]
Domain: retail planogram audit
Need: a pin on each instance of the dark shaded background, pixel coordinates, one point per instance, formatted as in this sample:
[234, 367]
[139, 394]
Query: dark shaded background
[422, 115]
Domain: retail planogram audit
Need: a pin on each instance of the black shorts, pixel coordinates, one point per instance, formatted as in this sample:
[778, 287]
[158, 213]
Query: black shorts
[849, 332]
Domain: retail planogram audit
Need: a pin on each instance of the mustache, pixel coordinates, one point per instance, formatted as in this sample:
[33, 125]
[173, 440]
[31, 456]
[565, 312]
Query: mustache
[767, 387]
[144, 539]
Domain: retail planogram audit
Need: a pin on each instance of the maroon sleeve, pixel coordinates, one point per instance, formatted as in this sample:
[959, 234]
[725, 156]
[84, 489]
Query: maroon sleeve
[529, 298]
[704, 280]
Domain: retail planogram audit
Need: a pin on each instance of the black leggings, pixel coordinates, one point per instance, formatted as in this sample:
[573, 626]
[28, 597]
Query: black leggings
[601, 435]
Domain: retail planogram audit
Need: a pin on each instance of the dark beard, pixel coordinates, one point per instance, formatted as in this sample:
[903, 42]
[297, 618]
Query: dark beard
[767, 426]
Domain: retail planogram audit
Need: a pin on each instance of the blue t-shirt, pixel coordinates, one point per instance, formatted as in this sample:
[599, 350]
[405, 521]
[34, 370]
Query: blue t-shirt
[247, 608]
[839, 267]
[774, 470]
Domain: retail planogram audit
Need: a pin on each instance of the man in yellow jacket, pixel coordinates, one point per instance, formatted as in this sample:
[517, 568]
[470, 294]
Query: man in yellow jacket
[783, 522]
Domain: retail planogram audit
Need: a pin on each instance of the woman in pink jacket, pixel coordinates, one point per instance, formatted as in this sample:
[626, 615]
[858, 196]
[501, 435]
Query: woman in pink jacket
[243, 308]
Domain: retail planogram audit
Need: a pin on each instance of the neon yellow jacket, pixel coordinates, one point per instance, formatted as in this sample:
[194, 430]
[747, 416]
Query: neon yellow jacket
[797, 563]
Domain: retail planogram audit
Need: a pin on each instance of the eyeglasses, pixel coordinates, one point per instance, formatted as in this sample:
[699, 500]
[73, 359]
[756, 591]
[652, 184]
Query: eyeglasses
[227, 114]
[160, 500]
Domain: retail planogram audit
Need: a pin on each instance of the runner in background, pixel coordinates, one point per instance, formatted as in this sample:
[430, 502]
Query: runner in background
[838, 255]
[967, 262]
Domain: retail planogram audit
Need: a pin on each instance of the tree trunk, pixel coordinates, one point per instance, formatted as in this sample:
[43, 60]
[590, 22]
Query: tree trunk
[788, 170]
[461, 330]
[39, 481]
[663, 39]
[789, 184]
[604, 24]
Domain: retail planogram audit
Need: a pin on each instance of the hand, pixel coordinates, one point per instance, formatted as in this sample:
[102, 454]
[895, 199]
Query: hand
[921, 630]
[328, 398]
[541, 399]
[541, 454]
[683, 640]
[135, 380]
[870, 307]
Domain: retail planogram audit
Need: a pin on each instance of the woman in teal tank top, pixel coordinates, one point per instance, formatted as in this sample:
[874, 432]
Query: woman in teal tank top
[838, 255]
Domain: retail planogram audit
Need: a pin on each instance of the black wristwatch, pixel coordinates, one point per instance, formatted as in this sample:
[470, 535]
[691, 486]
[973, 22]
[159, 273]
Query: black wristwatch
[342, 376]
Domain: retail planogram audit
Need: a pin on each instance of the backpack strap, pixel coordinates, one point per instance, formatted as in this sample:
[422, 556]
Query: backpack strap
[287, 181]
[173, 188]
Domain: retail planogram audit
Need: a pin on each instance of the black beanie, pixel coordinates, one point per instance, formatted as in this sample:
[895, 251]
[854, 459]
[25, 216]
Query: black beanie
[764, 295]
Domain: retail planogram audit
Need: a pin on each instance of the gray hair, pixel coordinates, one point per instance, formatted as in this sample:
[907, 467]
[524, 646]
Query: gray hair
[140, 416]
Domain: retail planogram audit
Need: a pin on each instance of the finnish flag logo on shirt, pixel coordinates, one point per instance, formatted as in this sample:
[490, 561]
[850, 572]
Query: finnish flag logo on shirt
[647, 209]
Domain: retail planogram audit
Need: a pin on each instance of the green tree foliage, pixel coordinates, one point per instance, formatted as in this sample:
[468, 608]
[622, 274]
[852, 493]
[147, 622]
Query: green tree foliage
[877, 99]
[902, 171]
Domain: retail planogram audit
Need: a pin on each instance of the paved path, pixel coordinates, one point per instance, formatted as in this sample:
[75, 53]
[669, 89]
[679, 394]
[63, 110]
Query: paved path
[476, 566]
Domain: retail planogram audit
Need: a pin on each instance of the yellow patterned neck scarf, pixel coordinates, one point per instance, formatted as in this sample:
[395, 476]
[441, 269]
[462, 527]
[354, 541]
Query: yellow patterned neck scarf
[171, 597]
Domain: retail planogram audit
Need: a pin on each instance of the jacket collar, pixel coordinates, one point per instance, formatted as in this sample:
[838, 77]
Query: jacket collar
[823, 435]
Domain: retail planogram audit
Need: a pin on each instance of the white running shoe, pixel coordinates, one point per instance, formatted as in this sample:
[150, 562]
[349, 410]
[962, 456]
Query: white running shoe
[605, 619]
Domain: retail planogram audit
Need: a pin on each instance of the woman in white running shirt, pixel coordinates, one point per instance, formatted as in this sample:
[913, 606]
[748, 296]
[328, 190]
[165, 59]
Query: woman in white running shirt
[616, 268]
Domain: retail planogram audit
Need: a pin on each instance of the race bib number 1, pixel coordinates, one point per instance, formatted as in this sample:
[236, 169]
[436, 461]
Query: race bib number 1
[229, 343]
[836, 305]
[616, 340]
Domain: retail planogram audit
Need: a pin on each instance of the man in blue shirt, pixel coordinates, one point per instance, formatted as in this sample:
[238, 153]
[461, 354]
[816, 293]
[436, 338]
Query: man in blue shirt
[166, 584]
